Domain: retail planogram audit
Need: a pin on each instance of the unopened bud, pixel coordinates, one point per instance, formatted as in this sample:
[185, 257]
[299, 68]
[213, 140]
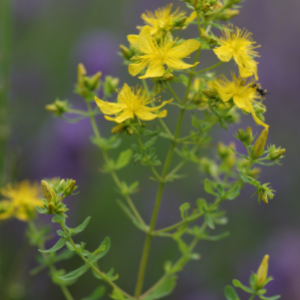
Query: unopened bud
[110, 85]
[276, 154]
[48, 191]
[228, 14]
[254, 172]
[70, 188]
[206, 7]
[94, 81]
[210, 94]
[125, 51]
[262, 271]
[168, 76]
[118, 129]
[260, 143]
[245, 136]
[180, 21]
[81, 72]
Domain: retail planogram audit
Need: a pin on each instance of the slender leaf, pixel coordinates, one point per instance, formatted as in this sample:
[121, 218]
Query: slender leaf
[209, 221]
[230, 293]
[163, 289]
[75, 274]
[61, 242]
[81, 227]
[208, 188]
[238, 284]
[124, 159]
[101, 251]
[97, 294]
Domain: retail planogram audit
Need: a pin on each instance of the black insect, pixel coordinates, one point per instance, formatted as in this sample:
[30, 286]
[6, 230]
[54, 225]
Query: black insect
[260, 91]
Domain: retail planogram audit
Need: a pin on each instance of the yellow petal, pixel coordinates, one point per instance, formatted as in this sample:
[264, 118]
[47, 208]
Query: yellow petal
[148, 116]
[135, 69]
[109, 108]
[247, 65]
[184, 49]
[126, 95]
[145, 43]
[154, 70]
[157, 107]
[242, 103]
[178, 64]
[256, 119]
[133, 39]
[191, 18]
[124, 116]
[224, 53]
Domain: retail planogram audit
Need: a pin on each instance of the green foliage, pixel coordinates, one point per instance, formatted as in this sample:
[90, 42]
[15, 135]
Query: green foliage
[75, 274]
[163, 289]
[230, 293]
[60, 243]
[98, 293]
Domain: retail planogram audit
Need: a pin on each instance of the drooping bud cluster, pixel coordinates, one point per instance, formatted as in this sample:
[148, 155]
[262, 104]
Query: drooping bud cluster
[55, 191]
[59, 107]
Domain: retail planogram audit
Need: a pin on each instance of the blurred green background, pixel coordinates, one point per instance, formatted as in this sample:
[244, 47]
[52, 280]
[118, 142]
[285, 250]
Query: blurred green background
[50, 38]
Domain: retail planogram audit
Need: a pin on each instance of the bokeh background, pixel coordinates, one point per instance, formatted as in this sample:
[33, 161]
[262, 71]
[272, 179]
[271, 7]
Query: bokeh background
[50, 38]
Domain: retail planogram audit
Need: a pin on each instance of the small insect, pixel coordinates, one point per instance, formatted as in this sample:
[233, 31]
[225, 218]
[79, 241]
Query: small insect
[260, 91]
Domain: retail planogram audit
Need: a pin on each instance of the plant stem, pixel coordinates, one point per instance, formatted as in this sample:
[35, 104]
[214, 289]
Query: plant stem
[173, 93]
[147, 158]
[113, 173]
[146, 250]
[51, 267]
[191, 247]
[252, 297]
[5, 50]
[91, 265]
[210, 68]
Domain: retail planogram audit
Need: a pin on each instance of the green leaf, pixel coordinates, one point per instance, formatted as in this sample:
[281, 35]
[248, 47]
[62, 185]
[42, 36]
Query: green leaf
[163, 289]
[97, 294]
[270, 298]
[208, 188]
[230, 293]
[81, 227]
[179, 266]
[150, 143]
[124, 159]
[180, 231]
[215, 238]
[234, 193]
[41, 210]
[238, 284]
[110, 275]
[63, 255]
[129, 214]
[61, 242]
[117, 295]
[183, 247]
[152, 133]
[59, 218]
[101, 250]
[75, 274]
[183, 209]
[209, 221]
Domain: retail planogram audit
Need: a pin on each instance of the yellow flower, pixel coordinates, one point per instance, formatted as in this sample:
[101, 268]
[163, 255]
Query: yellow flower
[163, 20]
[131, 102]
[239, 45]
[154, 56]
[23, 197]
[244, 94]
[262, 271]
[6, 210]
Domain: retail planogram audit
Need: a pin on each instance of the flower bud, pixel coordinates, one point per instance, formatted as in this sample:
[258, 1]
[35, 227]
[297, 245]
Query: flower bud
[260, 143]
[48, 191]
[262, 271]
[254, 172]
[59, 107]
[168, 76]
[205, 7]
[265, 193]
[93, 82]
[228, 14]
[70, 187]
[81, 72]
[110, 85]
[274, 153]
[119, 128]
[210, 94]
[245, 136]
[125, 51]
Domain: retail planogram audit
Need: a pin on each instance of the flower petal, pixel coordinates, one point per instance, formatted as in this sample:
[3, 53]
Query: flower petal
[154, 70]
[133, 39]
[256, 119]
[191, 18]
[146, 44]
[157, 107]
[109, 108]
[242, 103]
[184, 49]
[224, 53]
[178, 64]
[135, 69]
[124, 116]
[148, 116]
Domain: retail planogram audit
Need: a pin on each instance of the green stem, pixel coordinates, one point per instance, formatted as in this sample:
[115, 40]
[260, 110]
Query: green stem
[191, 247]
[173, 93]
[146, 250]
[211, 67]
[48, 262]
[177, 168]
[91, 265]
[252, 297]
[147, 158]
[5, 53]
